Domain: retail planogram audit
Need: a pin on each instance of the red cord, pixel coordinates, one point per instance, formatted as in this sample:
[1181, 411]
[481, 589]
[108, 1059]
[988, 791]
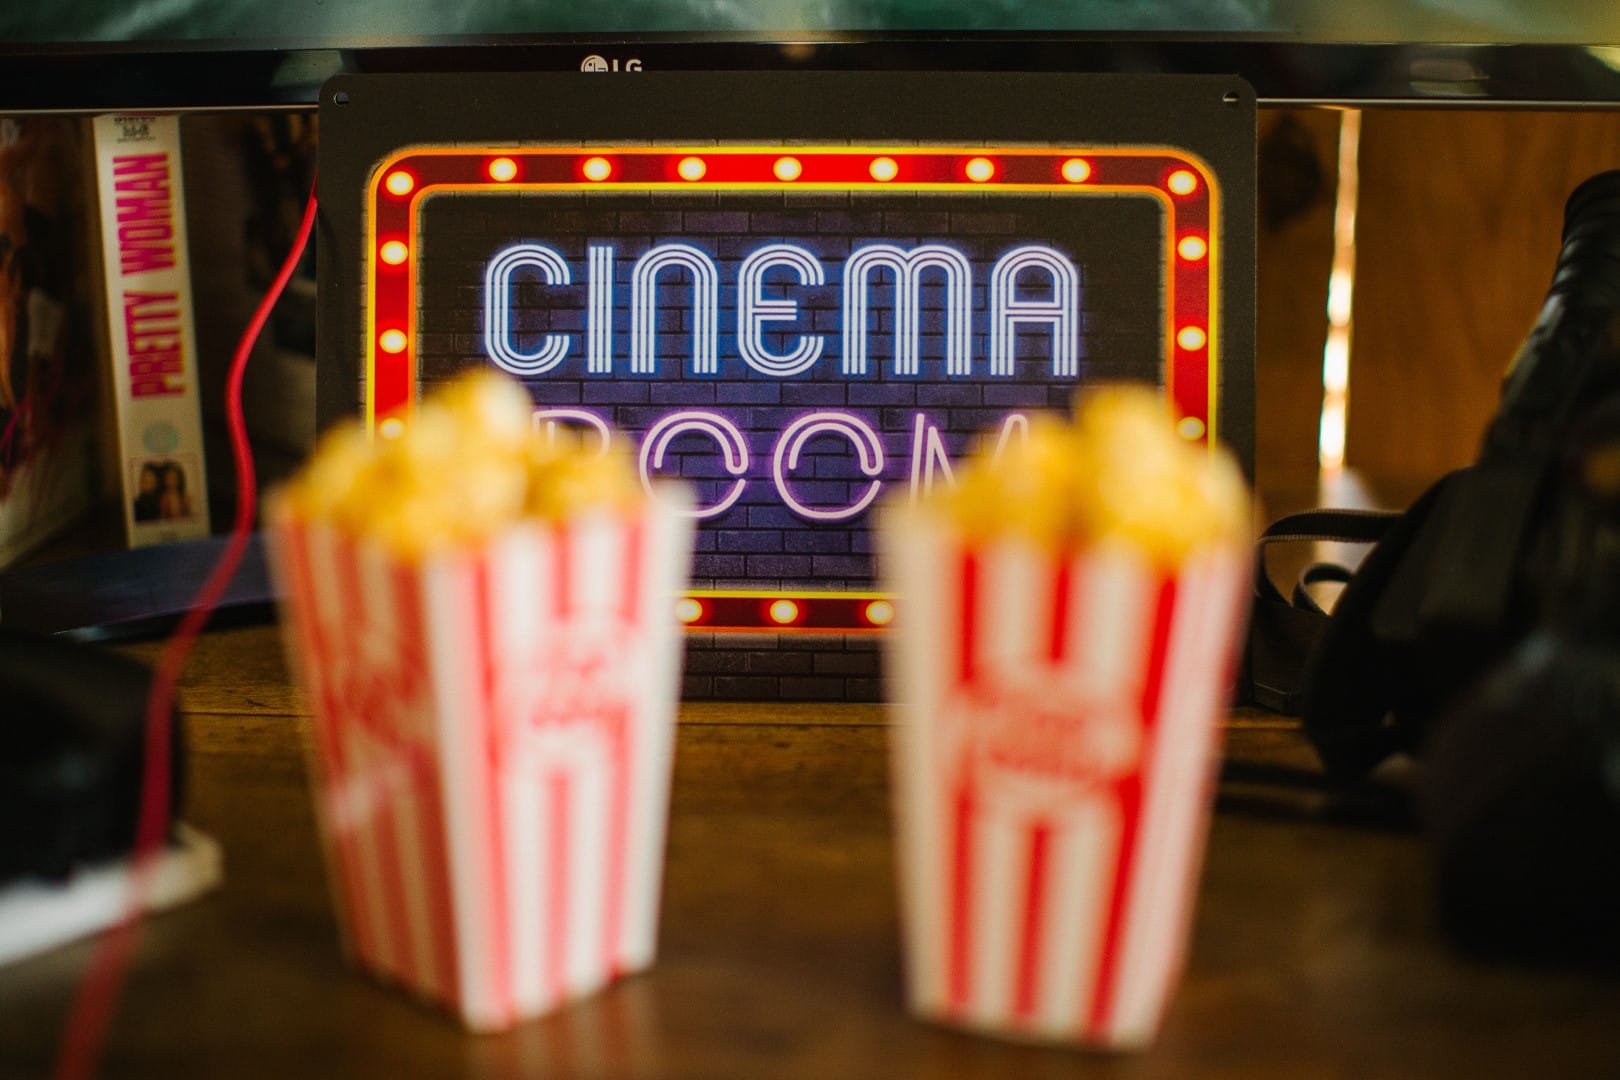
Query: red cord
[93, 1007]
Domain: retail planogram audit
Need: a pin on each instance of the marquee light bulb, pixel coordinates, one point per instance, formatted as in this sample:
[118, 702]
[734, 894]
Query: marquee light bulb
[884, 169]
[1192, 248]
[784, 612]
[688, 610]
[597, 168]
[393, 253]
[1182, 182]
[1077, 170]
[980, 169]
[788, 168]
[692, 168]
[879, 613]
[1191, 338]
[503, 170]
[399, 182]
[392, 341]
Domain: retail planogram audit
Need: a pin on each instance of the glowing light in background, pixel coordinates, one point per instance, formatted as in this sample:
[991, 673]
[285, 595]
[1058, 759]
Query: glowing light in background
[784, 612]
[1077, 170]
[791, 443]
[551, 421]
[755, 310]
[1030, 287]
[498, 309]
[1058, 310]
[599, 300]
[907, 266]
[879, 613]
[391, 428]
[1341, 292]
[655, 444]
[1182, 182]
[705, 306]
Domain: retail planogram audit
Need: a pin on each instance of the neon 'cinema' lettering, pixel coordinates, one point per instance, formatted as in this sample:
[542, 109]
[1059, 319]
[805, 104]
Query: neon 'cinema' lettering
[1032, 268]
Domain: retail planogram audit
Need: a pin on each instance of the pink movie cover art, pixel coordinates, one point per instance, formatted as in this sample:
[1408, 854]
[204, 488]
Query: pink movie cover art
[493, 735]
[1053, 778]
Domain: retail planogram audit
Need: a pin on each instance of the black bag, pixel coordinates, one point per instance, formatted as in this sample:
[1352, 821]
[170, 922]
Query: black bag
[1470, 568]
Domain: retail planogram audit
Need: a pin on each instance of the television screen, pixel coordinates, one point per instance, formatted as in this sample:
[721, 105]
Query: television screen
[325, 24]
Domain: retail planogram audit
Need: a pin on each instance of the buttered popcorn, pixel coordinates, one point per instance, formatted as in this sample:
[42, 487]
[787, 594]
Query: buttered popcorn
[1118, 472]
[469, 464]
[480, 620]
[1067, 620]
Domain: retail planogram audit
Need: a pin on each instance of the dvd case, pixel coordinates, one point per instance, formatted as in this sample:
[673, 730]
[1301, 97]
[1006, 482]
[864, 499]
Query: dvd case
[149, 328]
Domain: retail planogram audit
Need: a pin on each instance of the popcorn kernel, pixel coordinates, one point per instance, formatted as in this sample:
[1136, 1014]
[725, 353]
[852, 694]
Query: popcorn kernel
[469, 465]
[1118, 473]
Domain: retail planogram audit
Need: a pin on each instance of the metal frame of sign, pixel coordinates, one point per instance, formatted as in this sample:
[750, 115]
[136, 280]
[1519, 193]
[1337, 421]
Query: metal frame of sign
[390, 144]
[1186, 187]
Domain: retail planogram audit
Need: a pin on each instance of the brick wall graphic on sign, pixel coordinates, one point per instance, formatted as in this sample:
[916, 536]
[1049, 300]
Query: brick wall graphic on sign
[796, 355]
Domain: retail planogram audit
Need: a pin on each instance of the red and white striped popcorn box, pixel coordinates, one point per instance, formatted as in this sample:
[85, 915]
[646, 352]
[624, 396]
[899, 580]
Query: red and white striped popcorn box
[493, 737]
[1053, 771]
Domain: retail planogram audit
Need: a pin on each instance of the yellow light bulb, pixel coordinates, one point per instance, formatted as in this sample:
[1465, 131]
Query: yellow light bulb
[880, 613]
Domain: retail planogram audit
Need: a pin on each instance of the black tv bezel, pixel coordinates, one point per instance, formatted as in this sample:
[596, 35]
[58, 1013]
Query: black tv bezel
[215, 75]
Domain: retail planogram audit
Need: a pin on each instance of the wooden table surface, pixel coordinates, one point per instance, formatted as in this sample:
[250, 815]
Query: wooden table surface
[1314, 953]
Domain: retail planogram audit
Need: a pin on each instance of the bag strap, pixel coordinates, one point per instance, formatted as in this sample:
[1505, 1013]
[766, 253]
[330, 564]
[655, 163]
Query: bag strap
[1360, 683]
[1319, 574]
[1283, 631]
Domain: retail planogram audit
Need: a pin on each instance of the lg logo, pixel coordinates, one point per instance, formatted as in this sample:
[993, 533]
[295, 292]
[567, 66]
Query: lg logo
[594, 62]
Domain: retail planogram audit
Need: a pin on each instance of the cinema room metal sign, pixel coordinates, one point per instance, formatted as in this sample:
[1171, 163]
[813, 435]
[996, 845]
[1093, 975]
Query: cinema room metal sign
[802, 293]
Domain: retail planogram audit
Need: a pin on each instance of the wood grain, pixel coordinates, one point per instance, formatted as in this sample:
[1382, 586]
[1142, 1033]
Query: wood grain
[1458, 229]
[1314, 954]
[1298, 165]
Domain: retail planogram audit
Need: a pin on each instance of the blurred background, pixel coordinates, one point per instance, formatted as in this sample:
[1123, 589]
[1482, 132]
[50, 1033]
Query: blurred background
[1403, 250]
[1579, 21]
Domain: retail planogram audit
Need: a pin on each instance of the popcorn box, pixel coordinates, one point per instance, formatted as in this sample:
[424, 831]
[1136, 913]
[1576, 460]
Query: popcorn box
[1053, 774]
[493, 735]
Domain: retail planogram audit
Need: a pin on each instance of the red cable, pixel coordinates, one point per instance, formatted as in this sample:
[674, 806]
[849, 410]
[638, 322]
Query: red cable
[93, 1007]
